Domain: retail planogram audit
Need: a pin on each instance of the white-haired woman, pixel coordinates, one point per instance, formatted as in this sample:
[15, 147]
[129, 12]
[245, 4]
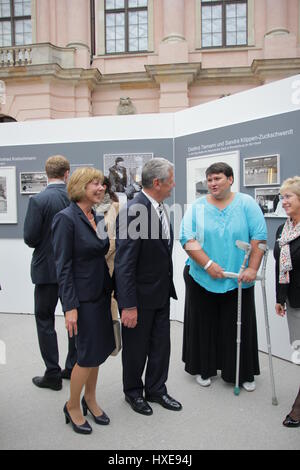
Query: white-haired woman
[287, 256]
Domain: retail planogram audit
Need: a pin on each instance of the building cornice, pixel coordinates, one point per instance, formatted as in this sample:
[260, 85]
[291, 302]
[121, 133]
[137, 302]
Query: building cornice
[193, 73]
[29, 72]
[266, 68]
[227, 75]
[127, 79]
[174, 72]
[256, 74]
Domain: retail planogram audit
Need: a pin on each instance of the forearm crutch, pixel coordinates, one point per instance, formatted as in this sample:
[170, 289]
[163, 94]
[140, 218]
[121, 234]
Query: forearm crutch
[262, 278]
[247, 248]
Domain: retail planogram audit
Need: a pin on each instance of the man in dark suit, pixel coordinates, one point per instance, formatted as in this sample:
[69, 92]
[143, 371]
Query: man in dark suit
[144, 285]
[37, 234]
[118, 176]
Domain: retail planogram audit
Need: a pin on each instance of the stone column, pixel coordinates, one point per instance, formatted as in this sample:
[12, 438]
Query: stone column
[173, 11]
[78, 26]
[277, 17]
[173, 47]
[170, 73]
[279, 41]
[78, 36]
[42, 21]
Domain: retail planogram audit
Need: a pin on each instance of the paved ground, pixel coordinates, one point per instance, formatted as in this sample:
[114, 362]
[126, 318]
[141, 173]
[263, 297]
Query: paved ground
[212, 418]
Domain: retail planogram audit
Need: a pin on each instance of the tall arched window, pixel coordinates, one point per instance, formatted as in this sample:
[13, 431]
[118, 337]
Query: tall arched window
[15, 22]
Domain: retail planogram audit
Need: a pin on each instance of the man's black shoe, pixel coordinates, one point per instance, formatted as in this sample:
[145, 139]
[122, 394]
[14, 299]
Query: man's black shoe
[139, 405]
[48, 382]
[166, 401]
[66, 374]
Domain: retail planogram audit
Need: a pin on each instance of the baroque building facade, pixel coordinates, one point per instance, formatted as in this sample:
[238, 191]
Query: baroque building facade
[80, 58]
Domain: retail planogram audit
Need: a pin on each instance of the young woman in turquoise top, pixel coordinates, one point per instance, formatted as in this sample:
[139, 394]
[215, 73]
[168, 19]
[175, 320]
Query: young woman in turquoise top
[209, 231]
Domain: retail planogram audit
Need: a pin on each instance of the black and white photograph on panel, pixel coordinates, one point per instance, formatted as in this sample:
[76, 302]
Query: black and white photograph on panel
[8, 195]
[262, 171]
[269, 201]
[195, 172]
[3, 196]
[124, 172]
[33, 182]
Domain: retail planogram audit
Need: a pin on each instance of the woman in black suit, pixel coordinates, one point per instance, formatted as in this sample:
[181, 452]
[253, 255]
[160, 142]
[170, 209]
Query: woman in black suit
[287, 256]
[85, 290]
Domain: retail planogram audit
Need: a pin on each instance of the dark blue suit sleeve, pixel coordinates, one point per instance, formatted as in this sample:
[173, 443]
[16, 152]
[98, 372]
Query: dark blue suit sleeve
[127, 252]
[62, 241]
[33, 225]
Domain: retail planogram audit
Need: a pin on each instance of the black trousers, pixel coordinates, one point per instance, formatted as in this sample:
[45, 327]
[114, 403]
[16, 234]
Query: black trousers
[148, 342]
[210, 329]
[45, 301]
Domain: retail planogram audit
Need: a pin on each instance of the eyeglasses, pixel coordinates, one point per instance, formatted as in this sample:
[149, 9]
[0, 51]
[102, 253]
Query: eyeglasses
[285, 196]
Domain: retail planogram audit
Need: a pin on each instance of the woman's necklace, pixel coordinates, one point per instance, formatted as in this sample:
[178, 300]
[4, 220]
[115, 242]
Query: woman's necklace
[91, 219]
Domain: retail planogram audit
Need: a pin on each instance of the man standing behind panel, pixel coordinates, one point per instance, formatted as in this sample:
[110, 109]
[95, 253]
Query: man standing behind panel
[144, 281]
[37, 234]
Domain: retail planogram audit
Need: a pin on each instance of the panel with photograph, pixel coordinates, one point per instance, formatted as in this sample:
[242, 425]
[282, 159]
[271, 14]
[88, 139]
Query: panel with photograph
[33, 182]
[269, 201]
[262, 171]
[124, 172]
[8, 195]
[197, 166]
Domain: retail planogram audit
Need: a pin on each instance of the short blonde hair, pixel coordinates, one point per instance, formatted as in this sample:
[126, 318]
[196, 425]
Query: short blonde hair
[56, 166]
[291, 184]
[79, 181]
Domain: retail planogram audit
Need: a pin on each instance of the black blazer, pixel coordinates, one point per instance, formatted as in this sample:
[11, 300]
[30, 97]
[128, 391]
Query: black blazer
[143, 265]
[118, 182]
[289, 291]
[82, 271]
[37, 231]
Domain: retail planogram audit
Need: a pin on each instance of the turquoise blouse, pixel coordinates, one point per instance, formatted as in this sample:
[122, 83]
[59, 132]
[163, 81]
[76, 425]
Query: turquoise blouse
[217, 231]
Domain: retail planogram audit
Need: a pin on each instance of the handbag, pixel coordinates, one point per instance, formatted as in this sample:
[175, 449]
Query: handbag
[117, 336]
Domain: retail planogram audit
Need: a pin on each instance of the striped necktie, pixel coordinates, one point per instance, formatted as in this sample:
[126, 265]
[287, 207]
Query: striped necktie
[164, 222]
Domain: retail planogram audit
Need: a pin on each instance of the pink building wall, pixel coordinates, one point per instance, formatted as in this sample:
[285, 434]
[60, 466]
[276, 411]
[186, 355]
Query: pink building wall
[56, 79]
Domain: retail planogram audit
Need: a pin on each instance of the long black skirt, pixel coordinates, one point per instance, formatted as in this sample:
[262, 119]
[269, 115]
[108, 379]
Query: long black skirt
[210, 329]
[95, 340]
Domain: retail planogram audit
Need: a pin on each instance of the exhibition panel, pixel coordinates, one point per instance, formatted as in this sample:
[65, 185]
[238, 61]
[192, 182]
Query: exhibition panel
[257, 132]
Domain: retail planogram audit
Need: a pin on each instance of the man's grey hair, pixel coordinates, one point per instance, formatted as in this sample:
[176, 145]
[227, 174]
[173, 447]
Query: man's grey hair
[157, 168]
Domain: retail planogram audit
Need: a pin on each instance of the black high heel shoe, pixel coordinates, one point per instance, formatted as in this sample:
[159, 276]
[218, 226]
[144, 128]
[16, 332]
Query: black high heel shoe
[290, 422]
[102, 419]
[80, 429]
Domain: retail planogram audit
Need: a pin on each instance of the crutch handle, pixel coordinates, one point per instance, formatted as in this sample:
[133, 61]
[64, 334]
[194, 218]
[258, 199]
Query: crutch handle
[230, 275]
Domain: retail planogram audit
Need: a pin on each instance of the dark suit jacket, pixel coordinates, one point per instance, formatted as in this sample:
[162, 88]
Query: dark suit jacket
[37, 231]
[118, 182]
[289, 291]
[143, 266]
[82, 271]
